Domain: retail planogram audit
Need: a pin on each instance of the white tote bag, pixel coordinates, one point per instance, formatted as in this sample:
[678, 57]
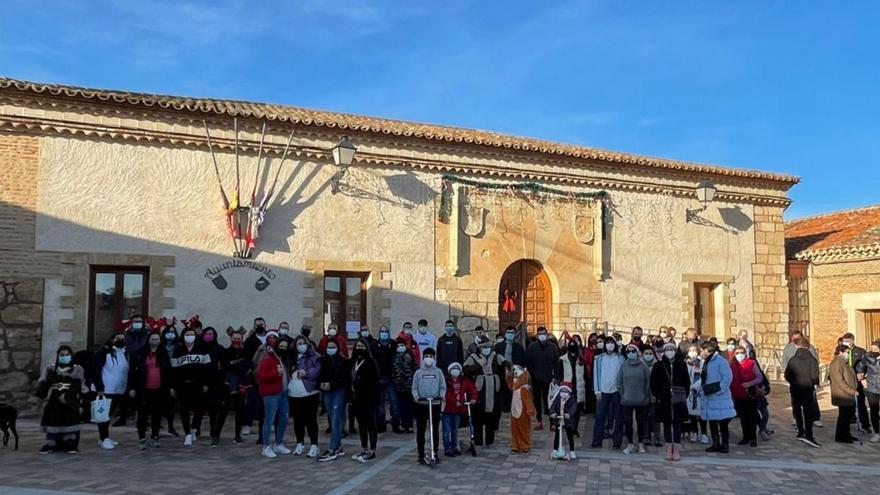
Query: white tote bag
[101, 410]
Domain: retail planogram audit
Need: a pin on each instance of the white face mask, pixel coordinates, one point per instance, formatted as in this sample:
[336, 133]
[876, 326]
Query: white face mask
[455, 372]
[407, 330]
[189, 339]
[649, 358]
[429, 361]
[486, 351]
[610, 347]
[542, 338]
[401, 349]
[847, 343]
[284, 331]
[302, 348]
[669, 355]
[692, 354]
[663, 335]
[331, 332]
[365, 333]
[740, 357]
[137, 325]
[423, 330]
[331, 351]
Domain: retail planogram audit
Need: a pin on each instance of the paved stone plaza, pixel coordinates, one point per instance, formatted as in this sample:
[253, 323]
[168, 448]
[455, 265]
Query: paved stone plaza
[780, 466]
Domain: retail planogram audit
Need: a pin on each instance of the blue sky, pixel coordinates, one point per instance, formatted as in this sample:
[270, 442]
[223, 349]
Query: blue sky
[781, 86]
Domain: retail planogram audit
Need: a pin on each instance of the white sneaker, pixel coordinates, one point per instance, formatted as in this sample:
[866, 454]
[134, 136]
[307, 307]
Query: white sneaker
[313, 451]
[188, 440]
[572, 456]
[245, 431]
[280, 448]
[704, 439]
[642, 449]
[107, 444]
[875, 438]
[114, 442]
[300, 448]
[629, 449]
[268, 452]
[818, 424]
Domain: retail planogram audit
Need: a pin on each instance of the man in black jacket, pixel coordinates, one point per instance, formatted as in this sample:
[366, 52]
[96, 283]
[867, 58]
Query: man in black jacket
[450, 348]
[384, 355]
[802, 375]
[856, 354]
[541, 358]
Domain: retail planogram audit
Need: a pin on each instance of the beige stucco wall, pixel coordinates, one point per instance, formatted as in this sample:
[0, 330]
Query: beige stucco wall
[121, 198]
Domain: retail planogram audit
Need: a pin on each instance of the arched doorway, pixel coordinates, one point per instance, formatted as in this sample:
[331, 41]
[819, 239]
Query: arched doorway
[525, 295]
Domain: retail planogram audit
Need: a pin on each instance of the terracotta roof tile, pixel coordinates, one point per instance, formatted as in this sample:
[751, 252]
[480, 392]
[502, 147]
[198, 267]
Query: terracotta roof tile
[842, 229]
[379, 126]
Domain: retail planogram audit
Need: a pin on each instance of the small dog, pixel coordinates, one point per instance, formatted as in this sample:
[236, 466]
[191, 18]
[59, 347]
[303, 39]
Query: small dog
[8, 417]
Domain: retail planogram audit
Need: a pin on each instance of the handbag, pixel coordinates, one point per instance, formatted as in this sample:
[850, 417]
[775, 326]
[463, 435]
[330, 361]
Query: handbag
[101, 410]
[677, 393]
[712, 388]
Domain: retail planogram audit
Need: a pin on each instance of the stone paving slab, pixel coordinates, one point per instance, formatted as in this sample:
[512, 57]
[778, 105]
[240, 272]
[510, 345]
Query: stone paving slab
[780, 466]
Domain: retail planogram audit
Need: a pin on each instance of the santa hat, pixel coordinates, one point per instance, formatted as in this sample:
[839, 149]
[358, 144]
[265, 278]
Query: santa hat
[453, 365]
[566, 386]
[272, 333]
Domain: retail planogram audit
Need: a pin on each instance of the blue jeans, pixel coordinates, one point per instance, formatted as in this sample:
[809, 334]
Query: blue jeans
[607, 407]
[450, 430]
[334, 402]
[275, 404]
[387, 392]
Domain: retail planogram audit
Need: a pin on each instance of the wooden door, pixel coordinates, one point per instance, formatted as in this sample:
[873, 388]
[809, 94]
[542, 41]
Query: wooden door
[525, 295]
[704, 309]
[872, 326]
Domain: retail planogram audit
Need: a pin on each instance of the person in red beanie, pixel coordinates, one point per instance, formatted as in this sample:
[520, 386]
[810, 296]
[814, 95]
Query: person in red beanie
[272, 380]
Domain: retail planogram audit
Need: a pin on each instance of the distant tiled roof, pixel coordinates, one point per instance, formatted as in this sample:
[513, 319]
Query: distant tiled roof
[378, 126]
[841, 234]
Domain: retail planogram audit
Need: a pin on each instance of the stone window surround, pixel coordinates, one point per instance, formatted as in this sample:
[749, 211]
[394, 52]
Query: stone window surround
[74, 330]
[378, 289]
[689, 294]
[853, 304]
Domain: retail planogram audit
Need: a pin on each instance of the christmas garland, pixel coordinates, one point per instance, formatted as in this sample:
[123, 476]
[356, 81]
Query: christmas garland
[531, 188]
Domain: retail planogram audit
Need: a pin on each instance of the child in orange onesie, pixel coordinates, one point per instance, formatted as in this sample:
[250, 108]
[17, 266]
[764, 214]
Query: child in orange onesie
[521, 410]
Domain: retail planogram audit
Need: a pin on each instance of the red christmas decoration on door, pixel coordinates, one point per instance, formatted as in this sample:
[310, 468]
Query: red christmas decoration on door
[509, 305]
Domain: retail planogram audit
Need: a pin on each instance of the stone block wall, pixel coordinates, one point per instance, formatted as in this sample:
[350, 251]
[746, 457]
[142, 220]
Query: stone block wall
[769, 286]
[21, 325]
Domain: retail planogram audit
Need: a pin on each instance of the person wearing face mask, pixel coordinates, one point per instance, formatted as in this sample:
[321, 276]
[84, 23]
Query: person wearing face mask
[745, 387]
[541, 358]
[384, 355]
[513, 353]
[306, 331]
[563, 409]
[743, 341]
[788, 352]
[136, 334]
[284, 332]
[450, 348]
[304, 395]
[169, 342]
[486, 369]
[333, 336]
[637, 339]
[634, 386]
[844, 392]
[406, 335]
[61, 385]
[256, 338]
[403, 367]
[189, 365]
[272, 382]
[606, 370]
[854, 357]
[589, 353]
[237, 369]
[802, 375]
[428, 382]
[731, 349]
[111, 380]
[217, 396]
[716, 401]
[253, 404]
[696, 427]
[669, 384]
[655, 430]
[571, 368]
[424, 338]
[868, 374]
[148, 380]
[473, 348]
[364, 398]
[459, 392]
[334, 381]
[522, 409]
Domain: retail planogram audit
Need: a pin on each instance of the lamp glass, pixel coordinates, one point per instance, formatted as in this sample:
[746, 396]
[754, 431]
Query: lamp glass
[343, 152]
[706, 192]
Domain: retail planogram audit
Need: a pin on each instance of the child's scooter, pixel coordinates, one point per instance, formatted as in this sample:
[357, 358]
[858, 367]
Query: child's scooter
[472, 448]
[432, 457]
[559, 453]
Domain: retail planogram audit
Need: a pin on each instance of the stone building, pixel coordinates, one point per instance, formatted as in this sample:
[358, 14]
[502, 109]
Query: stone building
[834, 276]
[110, 206]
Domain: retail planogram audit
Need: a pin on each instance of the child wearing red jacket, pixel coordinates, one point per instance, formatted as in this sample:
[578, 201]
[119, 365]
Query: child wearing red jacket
[459, 391]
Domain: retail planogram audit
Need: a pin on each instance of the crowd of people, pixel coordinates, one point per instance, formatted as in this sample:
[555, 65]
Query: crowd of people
[652, 391]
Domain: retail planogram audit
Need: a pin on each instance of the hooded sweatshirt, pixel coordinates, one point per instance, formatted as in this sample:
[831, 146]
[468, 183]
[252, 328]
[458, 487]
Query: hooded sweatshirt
[634, 383]
[428, 381]
[802, 371]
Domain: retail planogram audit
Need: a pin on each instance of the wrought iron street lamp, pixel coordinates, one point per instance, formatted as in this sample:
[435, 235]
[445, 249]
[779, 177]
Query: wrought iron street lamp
[705, 194]
[343, 155]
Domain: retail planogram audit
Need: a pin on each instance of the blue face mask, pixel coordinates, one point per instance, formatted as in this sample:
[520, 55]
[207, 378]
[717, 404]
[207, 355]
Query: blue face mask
[64, 359]
[384, 335]
[508, 337]
[450, 330]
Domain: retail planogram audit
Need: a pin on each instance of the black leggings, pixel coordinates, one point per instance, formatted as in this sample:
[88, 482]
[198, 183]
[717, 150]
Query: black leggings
[366, 418]
[539, 398]
[236, 404]
[720, 431]
[874, 402]
[485, 423]
[695, 425]
[305, 417]
[191, 402]
[116, 403]
[151, 405]
[747, 411]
